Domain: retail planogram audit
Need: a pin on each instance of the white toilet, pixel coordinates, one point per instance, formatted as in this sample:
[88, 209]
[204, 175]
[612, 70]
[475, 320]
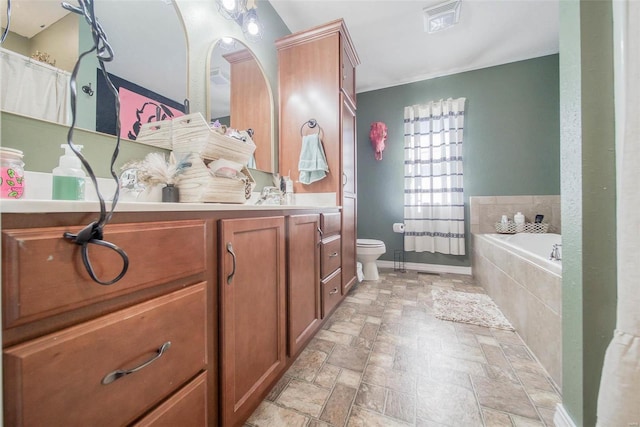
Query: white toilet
[367, 252]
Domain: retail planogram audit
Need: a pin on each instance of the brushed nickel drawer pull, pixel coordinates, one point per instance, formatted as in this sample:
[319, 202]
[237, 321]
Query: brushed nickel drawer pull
[333, 255]
[334, 291]
[233, 257]
[119, 373]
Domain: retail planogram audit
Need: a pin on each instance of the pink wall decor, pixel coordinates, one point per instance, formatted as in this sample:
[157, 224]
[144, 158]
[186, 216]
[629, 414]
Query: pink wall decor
[378, 135]
[136, 109]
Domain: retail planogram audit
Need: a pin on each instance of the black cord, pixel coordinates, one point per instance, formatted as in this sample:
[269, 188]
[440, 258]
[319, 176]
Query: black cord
[6, 29]
[93, 233]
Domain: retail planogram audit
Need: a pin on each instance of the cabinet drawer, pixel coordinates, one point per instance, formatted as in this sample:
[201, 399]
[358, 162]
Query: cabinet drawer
[330, 224]
[186, 408]
[43, 273]
[330, 255]
[58, 379]
[331, 294]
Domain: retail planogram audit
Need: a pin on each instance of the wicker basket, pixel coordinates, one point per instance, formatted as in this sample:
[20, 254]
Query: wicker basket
[192, 134]
[535, 227]
[508, 228]
[157, 134]
[528, 227]
[198, 185]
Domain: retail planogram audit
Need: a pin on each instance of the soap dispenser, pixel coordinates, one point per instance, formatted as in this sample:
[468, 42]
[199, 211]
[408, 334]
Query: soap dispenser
[68, 177]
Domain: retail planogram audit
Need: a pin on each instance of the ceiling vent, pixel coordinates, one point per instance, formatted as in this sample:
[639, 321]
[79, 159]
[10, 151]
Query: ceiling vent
[442, 16]
[219, 76]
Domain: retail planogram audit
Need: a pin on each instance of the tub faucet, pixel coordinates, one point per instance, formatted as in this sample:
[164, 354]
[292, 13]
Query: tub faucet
[555, 252]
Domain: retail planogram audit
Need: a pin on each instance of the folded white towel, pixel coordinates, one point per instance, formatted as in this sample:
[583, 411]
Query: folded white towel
[313, 162]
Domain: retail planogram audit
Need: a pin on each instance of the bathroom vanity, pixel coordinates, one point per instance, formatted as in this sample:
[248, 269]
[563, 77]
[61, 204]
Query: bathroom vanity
[218, 300]
[217, 303]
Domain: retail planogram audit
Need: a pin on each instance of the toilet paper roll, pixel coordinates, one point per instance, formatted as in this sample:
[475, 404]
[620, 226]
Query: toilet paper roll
[398, 227]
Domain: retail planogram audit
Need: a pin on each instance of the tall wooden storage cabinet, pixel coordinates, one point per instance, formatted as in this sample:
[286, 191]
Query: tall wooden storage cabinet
[317, 81]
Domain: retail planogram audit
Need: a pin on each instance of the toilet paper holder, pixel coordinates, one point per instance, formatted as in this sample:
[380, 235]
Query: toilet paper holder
[398, 227]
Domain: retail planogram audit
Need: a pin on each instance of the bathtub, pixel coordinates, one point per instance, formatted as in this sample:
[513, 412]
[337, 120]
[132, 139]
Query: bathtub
[516, 272]
[533, 247]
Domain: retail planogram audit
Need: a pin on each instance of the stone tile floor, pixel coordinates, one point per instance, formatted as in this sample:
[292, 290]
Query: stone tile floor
[383, 359]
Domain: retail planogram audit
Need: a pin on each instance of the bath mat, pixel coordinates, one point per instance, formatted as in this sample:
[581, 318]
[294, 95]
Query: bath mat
[464, 307]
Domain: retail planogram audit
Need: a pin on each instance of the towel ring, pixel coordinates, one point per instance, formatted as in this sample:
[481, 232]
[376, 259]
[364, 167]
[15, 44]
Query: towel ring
[312, 123]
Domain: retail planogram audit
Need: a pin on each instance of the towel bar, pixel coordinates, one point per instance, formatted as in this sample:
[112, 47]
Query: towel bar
[312, 123]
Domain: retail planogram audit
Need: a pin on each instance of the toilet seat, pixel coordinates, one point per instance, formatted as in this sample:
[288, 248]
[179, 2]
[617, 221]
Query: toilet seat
[369, 243]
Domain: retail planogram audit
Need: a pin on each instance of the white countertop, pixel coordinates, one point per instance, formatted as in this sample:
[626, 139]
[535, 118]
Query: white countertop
[51, 206]
[36, 199]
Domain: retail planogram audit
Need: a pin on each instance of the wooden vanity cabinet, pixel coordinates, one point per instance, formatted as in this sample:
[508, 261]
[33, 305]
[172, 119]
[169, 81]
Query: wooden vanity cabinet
[252, 313]
[63, 334]
[231, 292]
[304, 301]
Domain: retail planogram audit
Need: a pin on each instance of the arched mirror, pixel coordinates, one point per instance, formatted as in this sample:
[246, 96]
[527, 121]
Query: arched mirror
[149, 44]
[240, 97]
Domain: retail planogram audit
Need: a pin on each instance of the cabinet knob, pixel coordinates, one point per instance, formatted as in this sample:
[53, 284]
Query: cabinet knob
[119, 373]
[333, 255]
[333, 291]
[344, 179]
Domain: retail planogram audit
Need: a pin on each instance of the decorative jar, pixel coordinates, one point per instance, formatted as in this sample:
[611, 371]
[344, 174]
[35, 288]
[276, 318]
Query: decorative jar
[11, 173]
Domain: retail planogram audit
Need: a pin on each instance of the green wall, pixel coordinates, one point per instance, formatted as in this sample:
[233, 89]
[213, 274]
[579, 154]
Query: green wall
[40, 142]
[511, 143]
[588, 198]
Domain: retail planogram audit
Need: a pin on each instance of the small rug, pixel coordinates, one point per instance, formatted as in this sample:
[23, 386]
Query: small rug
[464, 307]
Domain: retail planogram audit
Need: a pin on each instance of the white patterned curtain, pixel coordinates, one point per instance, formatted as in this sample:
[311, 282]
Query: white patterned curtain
[620, 383]
[433, 191]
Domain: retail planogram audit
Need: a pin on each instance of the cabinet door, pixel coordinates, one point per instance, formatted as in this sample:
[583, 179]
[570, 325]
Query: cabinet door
[348, 243]
[304, 280]
[252, 312]
[348, 80]
[348, 148]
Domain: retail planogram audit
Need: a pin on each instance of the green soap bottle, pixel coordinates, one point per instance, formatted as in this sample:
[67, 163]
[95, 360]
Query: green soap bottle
[68, 177]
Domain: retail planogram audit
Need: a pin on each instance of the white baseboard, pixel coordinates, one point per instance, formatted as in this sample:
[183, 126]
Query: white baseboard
[430, 268]
[561, 418]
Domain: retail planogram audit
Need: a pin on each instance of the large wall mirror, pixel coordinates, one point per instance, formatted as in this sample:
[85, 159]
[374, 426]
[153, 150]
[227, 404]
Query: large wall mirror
[240, 96]
[150, 49]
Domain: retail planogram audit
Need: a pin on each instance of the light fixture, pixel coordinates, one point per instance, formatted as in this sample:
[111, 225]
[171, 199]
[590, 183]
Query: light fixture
[231, 9]
[442, 16]
[251, 26]
[243, 12]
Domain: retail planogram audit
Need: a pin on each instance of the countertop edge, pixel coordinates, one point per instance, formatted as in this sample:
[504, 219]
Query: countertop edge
[62, 206]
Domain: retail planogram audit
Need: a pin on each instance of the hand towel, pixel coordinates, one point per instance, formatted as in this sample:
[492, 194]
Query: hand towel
[313, 163]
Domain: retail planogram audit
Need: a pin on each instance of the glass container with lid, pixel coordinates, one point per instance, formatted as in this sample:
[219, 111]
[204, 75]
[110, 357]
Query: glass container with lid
[11, 173]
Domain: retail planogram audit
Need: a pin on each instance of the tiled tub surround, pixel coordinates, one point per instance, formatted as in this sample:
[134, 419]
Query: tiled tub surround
[384, 360]
[529, 295]
[485, 211]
